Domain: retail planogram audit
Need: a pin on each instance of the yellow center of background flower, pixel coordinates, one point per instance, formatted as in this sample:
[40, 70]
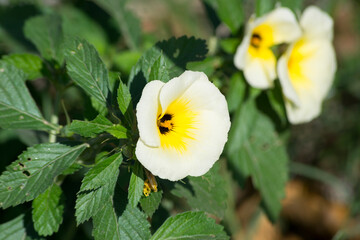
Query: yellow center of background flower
[261, 41]
[296, 71]
[175, 125]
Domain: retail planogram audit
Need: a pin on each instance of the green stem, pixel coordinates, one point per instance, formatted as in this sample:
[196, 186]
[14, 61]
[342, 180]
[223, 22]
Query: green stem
[52, 136]
[54, 119]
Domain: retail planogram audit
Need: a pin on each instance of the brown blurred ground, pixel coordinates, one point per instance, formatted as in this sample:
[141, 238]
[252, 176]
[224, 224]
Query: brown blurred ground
[306, 215]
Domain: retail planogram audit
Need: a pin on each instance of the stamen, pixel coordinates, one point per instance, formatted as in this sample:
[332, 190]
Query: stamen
[165, 124]
[147, 188]
[256, 40]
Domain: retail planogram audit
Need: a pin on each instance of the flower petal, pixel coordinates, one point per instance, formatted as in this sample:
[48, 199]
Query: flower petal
[177, 87]
[203, 151]
[284, 26]
[309, 109]
[284, 78]
[147, 113]
[260, 73]
[305, 90]
[242, 52]
[317, 24]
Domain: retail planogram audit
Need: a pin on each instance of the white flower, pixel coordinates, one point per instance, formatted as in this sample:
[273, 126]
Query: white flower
[183, 126]
[254, 55]
[307, 69]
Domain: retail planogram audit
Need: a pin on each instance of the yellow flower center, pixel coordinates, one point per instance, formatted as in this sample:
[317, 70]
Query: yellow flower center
[176, 125]
[295, 65]
[261, 41]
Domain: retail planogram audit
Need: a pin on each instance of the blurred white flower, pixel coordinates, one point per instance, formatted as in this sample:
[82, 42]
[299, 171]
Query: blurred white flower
[307, 68]
[254, 55]
[183, 126]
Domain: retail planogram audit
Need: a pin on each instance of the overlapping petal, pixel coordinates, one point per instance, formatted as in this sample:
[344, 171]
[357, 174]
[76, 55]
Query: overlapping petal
[201, 124]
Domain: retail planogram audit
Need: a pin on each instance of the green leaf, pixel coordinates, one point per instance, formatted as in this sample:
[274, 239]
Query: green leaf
[136, 184]
[176, 52]
[294, 5]
[124, 98]
[229, 45]
[180, 51]
[236, 91]
[231, 13]
[125, 103]
[208, 189]
[98, 125]
[17, 108]
[47, 211]
[159, 70]
[151, 203]
[86, 68]
[100, 175]
[13, 229]
[89, 203]
[72, 169]
[98, 185]
[18, 228]
[125, 60]
[255, 149]
[30, 64]
[90, 129]
[46, 33]
[133, 224]
[128, 24]
[118, 131]
[190, 225]
[85, 27]
[264, 6]
[207, 66]
[106, 226]
[34, 171]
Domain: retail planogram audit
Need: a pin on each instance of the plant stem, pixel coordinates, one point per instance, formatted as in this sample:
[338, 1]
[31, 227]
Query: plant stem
[54, 119]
